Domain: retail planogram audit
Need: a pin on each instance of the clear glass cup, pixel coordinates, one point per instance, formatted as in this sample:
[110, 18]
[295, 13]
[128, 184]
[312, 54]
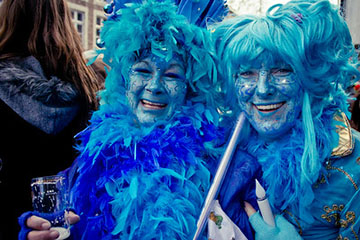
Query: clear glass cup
[50, 201]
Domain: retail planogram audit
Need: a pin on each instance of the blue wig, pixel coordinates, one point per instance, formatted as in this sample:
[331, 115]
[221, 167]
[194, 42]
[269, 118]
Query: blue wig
[156, 27]
[310, 36]
[314, 40]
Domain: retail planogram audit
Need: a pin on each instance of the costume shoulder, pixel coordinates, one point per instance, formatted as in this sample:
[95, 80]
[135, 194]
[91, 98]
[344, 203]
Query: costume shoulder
[345, 160]
[344, 182]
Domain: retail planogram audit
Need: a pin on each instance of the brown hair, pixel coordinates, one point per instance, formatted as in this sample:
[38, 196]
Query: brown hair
[43, 29]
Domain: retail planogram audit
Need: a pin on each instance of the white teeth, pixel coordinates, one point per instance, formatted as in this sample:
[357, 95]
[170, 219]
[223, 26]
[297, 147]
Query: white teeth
[154, 104]
[269, 107]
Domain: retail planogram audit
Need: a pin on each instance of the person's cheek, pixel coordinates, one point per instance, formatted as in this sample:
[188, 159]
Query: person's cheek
[134, 91]
[244, 91]
[176, 90]
[287, 90]
[288, 86]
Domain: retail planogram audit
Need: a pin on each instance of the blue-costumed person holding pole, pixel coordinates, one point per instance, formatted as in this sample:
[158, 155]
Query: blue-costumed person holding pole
[145, 161]
[289, 70]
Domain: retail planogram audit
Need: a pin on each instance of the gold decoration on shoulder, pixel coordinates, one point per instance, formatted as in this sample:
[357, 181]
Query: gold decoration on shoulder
[346, 142]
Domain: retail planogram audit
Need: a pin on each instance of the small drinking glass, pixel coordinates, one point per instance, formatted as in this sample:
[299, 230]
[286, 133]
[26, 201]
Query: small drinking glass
[50, 201]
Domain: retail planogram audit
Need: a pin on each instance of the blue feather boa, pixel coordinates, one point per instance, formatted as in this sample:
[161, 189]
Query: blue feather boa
[144, 183]
[281, 164]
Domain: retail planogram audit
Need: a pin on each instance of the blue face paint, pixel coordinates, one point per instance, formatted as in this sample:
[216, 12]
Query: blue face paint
[156, 88]
[270, 97]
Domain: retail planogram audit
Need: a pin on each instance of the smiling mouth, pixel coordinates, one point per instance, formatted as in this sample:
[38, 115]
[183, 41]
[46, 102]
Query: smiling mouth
[153, 105]
[269, 107]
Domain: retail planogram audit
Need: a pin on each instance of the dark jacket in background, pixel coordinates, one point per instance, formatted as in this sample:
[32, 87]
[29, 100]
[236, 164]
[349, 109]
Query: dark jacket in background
[38, 120]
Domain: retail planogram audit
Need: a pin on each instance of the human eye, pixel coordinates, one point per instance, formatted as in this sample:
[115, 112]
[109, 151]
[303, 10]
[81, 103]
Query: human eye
[282, 76]
[248, 74]
[246, 77]
[174, 73]
[141, 67]
[281, 72]
[141, 70]
[170, 76]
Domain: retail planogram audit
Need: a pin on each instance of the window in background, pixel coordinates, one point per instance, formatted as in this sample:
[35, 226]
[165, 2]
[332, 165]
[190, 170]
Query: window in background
[101, 2]
[98, 24]
[78, 20]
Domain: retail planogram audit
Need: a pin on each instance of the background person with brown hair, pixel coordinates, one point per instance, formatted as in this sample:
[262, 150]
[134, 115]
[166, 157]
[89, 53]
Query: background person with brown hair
[46, 96]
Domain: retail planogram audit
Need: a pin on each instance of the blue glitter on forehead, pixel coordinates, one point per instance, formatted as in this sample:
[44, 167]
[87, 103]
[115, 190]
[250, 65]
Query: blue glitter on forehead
[263, 72]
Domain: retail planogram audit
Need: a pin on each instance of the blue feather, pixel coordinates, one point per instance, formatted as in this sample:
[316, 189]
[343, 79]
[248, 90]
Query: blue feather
[156, 195]
[281, 164]
[197, 12]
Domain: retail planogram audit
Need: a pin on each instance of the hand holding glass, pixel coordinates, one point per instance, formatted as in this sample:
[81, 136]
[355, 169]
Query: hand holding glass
[50, 201]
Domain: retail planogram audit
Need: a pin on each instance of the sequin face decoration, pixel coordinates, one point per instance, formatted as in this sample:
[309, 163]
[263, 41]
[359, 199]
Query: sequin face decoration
[156, 88]
[271, 98]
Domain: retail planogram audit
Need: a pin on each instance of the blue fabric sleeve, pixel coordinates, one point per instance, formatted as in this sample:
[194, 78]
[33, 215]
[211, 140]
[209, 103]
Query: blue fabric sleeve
[24, 230]
[239, 186]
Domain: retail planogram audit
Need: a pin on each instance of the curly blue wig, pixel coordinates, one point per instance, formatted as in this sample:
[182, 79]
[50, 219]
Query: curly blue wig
[155, 27]
[312, 38]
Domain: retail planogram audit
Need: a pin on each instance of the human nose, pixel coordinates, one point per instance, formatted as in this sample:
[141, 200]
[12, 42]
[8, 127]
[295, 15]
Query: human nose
[155, 85]
[264, 87]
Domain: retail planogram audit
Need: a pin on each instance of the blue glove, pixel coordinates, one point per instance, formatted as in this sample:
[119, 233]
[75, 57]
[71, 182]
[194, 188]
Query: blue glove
[283, 230]
[24, 230]
[54, 218]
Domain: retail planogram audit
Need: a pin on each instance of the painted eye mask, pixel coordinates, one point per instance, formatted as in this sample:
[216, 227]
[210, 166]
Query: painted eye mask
[156, 88]
[270, 97]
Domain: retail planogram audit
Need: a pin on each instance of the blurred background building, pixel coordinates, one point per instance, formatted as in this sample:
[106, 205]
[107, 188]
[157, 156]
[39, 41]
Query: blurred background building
[258, 6]
[88, 16]
[350, 11]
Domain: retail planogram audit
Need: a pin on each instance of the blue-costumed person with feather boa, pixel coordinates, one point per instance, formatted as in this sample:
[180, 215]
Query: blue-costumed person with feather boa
[289, 70]
[145, 161]
[146, 158]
